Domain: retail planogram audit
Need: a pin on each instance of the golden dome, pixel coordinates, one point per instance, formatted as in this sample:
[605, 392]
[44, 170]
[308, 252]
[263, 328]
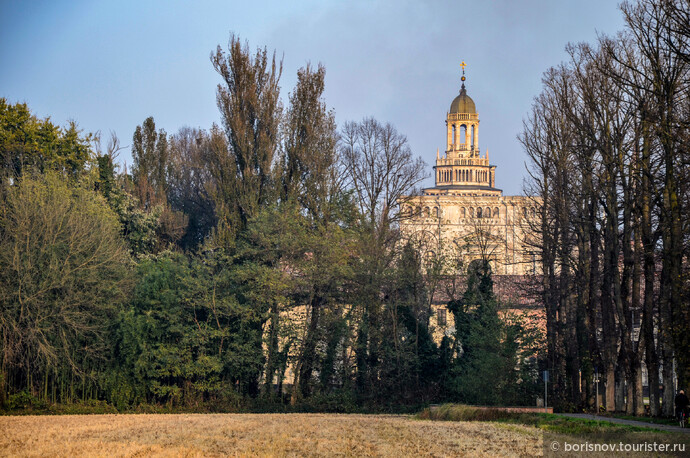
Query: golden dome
[463, 103]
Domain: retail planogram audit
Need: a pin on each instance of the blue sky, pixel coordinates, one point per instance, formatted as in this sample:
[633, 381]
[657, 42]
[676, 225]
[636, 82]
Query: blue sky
[109, 65]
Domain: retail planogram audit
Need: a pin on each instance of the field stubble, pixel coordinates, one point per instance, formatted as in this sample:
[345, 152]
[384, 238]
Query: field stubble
[260, 435]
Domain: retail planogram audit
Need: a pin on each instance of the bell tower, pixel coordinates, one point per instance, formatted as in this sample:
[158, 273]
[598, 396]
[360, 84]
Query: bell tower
[462, 124]
[462, 170]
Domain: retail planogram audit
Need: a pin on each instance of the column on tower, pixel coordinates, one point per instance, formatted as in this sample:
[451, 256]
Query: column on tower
[449, 143]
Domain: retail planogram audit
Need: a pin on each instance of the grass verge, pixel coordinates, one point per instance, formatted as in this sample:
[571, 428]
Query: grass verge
[565, 436]
[547, 422]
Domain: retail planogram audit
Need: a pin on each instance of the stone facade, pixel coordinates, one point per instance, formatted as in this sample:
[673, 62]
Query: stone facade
[465, 214]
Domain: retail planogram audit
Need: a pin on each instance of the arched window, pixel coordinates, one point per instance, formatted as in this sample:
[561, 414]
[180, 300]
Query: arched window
[496, 212]
[524, 212]
[426, 212]
[472, 140]
[471, 212]
[435, 212]
[463, 133]
[452, 139]
[479, 212]
[487, 212]
[462, 212]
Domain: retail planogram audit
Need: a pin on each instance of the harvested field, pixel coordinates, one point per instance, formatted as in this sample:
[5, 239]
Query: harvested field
[260, 435]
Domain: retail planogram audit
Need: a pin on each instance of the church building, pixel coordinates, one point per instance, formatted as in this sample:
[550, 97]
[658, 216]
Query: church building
[465, 215]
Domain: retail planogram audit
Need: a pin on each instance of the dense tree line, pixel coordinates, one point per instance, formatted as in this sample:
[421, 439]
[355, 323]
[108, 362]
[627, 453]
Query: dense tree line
[258, 261]
[608, 145]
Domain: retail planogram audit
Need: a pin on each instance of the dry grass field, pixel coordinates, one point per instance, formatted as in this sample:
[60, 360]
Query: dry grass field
[260, 435]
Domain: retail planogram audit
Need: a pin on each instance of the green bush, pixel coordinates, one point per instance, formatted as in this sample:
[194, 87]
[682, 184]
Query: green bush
[23, 400]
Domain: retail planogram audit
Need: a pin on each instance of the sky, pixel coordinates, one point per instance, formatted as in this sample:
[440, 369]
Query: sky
[108, 65]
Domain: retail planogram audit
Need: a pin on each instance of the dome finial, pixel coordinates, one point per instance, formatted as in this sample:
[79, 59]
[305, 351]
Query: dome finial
[463, 103]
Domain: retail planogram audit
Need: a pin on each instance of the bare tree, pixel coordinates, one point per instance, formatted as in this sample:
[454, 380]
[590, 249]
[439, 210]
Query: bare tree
[380, 168]
[189, 181]
[663, 47]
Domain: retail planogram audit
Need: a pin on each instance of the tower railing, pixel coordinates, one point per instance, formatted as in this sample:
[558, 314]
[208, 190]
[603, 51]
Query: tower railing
[474, 161]
[463, 117]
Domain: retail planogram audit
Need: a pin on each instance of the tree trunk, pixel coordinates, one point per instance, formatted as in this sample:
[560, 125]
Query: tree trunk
[305, 365]
[619, 395]
[610, 395]
[668, 395]
[639, 398]
[271, 360]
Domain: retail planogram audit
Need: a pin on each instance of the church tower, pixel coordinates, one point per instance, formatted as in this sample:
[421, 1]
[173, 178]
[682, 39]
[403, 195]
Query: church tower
[462, 170]
[464, 215]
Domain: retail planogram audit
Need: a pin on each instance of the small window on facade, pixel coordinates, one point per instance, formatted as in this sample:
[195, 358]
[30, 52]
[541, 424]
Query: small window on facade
[441, 317]
[496, 213]
[479, 212]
